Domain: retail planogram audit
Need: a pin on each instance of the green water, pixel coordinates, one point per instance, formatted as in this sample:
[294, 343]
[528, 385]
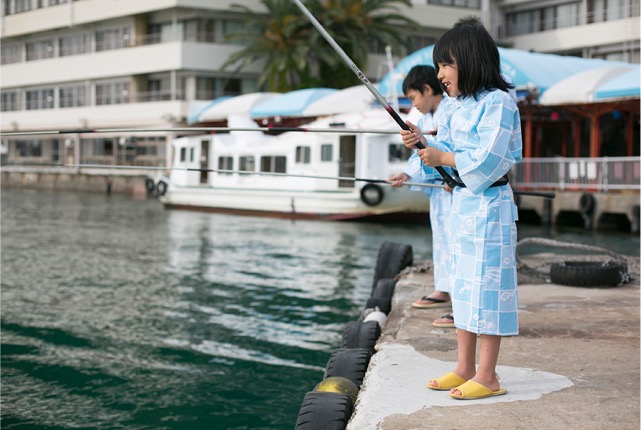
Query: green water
[119, 314]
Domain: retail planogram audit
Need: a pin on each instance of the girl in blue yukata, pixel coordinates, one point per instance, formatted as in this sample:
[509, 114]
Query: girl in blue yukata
[422, 88]
[480, 137]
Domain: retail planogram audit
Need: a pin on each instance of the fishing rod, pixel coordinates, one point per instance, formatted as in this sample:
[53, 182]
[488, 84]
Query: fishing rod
[245, 172]
[549, 195]
[361, 76]
[205, 129]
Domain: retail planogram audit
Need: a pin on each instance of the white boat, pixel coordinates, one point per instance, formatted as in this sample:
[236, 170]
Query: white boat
[213, 172]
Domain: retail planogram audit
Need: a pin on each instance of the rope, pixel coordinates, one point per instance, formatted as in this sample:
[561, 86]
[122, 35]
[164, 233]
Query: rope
[540, 266]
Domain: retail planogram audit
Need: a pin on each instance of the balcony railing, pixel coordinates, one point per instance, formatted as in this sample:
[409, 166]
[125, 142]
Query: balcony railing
[563, 174]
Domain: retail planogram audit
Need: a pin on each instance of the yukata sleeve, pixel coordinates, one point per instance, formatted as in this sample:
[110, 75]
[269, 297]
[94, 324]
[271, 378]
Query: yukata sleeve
[495, 132]
[414, 170]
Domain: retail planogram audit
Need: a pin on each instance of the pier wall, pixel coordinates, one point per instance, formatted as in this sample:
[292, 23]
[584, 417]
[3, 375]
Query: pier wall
[71, 180]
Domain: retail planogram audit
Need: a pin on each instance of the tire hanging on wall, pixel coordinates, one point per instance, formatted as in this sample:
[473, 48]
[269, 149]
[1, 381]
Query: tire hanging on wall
[588, 274]
[359, 334]
[324, 411]
[392, 258]
[350, 363]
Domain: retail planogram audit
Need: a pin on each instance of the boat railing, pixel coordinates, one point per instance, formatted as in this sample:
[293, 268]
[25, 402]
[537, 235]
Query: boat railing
[585, 173]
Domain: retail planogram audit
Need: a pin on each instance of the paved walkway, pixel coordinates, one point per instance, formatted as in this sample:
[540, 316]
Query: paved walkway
[575, 364]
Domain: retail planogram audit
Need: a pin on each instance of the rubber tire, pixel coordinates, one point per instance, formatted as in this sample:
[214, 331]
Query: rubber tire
[361, 334]
[392, 258]
[587, 203]
[162, 188]
[150, 185]
[324, 411]
[372, 201]
[588, 274]
[384, 288]
[384, 304]
[350, 363]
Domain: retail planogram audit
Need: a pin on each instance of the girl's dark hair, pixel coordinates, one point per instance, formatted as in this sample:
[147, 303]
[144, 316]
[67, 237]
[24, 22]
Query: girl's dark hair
[418, 77]
[472, 49]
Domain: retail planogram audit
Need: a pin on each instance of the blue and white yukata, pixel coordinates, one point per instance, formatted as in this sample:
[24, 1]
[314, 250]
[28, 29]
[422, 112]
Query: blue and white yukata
[440, 203]
[485, 135]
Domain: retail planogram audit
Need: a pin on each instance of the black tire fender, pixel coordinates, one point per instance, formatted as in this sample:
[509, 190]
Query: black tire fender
[161, 188]
[384, 288]
[372, 194]
[588, 274]
[350, 363]
[324, 411]
[360, 334]
[587, 203]
[391, 259]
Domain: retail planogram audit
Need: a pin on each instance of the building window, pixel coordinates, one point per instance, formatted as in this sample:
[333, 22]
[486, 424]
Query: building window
[39, 99]
[303, 154]
[326, 152]
[277, 164]
[72, 96]
[183, 154]
[29, 148]
[9, 101]
[73, 44]
[40, 50]
[111, 93]
[225, 163]
[11, 53]
[113, 38]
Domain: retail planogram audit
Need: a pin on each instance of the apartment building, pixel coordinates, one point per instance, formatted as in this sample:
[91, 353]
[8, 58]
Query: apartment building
[122, 64]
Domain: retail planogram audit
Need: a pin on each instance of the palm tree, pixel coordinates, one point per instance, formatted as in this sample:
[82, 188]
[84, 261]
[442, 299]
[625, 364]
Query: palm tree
[354, 24]
[279, 40]
[295, 53]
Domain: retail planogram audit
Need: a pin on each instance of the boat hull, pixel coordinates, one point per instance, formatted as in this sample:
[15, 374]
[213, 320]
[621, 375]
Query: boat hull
[321, 205]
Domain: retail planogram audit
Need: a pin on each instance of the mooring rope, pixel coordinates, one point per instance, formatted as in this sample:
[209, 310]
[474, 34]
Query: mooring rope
[541, 268]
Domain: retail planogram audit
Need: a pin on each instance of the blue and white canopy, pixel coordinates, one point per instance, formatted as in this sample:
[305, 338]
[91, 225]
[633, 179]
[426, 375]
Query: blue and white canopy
[290, 104]
[527, 70]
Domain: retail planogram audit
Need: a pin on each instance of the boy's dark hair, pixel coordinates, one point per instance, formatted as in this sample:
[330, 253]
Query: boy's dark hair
[418, 77]
[470, 46]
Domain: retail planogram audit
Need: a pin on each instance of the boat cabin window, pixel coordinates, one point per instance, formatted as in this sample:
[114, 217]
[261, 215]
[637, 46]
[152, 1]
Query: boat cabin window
[183, 154]
[303, 154]
[246, 163]
[225, 163]
[326, 152]
[269, 163]
[398, 152]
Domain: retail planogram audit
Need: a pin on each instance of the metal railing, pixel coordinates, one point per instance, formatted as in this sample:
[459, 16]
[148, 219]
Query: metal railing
[596, 174]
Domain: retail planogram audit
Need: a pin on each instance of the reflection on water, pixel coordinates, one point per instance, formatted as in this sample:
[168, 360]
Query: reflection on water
[117, 313]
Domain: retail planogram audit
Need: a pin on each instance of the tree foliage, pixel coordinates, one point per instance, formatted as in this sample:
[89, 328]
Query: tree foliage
[296, 55]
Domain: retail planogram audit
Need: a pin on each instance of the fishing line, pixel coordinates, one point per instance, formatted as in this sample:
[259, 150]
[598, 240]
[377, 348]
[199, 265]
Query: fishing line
[244, 172]
[361, 76]
[548, 195]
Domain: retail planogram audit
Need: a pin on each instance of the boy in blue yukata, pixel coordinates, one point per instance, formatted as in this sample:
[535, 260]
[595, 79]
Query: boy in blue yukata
[423, 89]
[480, 138]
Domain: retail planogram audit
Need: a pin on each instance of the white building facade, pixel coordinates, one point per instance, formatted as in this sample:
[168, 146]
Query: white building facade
[114, 64]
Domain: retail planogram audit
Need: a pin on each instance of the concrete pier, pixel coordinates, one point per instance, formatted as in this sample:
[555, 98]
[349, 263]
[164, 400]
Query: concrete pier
[575, 364]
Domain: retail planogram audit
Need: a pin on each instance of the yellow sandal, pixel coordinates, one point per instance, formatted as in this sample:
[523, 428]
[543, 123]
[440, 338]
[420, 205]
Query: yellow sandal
[446, 382]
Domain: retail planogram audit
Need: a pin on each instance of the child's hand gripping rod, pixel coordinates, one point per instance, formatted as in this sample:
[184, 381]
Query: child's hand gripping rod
[446, 177]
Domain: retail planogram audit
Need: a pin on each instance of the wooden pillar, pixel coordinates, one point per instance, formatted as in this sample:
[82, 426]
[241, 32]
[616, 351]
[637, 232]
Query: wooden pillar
[629, 134]
[576, 127]
[595, 136]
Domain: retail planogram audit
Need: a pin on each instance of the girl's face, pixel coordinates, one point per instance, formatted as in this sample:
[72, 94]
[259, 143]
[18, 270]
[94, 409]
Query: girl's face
[448, 75]
[424, 101]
